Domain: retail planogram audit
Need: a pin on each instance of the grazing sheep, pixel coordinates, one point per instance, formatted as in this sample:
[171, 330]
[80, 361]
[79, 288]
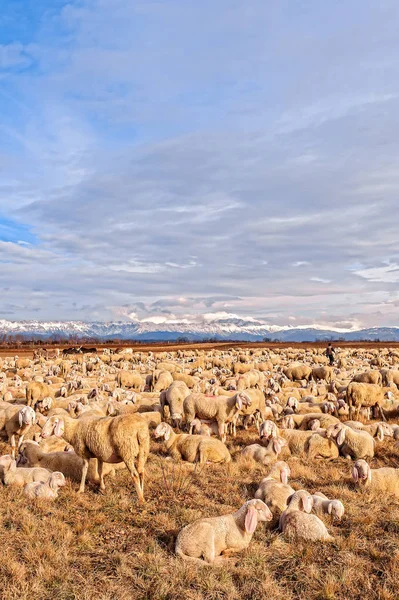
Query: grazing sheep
[193, 448]
[384, 480]
[48, 489]
[274, 490]
[322, 504]
[221, 409]
[11, 475]
[109, 439]
[366, 395]
[174, 397]
[352, 443]
[297, 524]
[205, 540]
[262, 454]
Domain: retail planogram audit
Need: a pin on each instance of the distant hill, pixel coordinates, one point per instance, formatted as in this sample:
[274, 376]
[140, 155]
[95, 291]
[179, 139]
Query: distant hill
[222, 329]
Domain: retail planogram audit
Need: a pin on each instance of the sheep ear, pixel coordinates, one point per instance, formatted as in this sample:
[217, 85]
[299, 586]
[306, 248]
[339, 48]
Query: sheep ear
[307, 503]
[167, 434]
[330, 507]
[251, 520]
[341, 437]
[59, 428]
[284, 476]
[239, 402]
[21, 417]
[355, 474]
[276, 445]
[380, 433]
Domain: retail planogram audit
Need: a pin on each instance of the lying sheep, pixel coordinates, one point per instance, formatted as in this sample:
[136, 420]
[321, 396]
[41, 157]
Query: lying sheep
[296, 522]
[48, 490]
[210, 540]
[265, 454]
[299, 443]
[323, 505]
[352, 443]
[16, 421]
[384, 480]
[200, 427]
[376, 430]
[274, 490]
[193, 448]
[11, 475]
[69, 463]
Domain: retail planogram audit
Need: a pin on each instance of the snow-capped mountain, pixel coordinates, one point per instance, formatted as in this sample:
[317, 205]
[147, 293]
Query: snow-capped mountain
[229, 327]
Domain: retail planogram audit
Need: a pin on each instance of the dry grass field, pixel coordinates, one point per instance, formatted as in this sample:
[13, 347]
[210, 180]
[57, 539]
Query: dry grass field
[107, 547]
[92, 546]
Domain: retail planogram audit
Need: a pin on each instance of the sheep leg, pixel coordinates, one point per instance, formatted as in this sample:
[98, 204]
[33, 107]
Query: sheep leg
[13, 445]
[221, 431]
[382, 414]
[100, 474]
[138, 480]
[84, 474]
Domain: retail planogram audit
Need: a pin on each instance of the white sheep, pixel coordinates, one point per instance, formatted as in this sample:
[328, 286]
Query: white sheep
[297, 524]
[322, 504]
[352, 443]
[205, 540]
[274, 489]
[265, 454]
[384, 480]
[193, 448]
[109, 439]
[48, 489]
[11, 475]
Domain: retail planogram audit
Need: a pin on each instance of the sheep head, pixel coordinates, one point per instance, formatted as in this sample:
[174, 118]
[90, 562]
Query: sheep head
[361, 472]
[26, 416]
[54, 425]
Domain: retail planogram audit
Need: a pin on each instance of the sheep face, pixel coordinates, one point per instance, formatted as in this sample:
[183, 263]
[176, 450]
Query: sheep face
[56, 480]
[267, 430]
[336, 509]
[54, 425]
[256, 511]
[361, 472]
[163, 430]
[26, 416]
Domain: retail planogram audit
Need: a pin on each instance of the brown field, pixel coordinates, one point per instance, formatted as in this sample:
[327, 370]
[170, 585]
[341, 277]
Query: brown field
[108, 547]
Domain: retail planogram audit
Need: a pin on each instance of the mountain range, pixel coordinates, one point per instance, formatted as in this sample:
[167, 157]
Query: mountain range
[227, 328]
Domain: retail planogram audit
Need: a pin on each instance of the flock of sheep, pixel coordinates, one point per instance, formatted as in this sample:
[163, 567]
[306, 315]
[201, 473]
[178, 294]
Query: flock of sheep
[85, 416]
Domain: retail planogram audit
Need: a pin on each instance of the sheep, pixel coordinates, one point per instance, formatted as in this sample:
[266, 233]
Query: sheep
[352, 443]
[297, 372]
[193, 448]
[325, 373]
[16, 420]
[256, 403]
[371, 377]
[383, 481]
[161, 381]
[310, 443]
[297, 524]
[322, 504]
[221, 409]
[174, 397]
[48, 490]
[205, 540]
[68, 462]
[208, 428]
[132, 380]
[10, 475]
[36, 390]
[377, 430]
[390, 377]
[109, 439]
[360, 395]
[262, 454]
[274, 490]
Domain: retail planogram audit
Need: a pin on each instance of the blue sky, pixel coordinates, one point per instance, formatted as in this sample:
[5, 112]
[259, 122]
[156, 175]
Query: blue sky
[171, 158]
